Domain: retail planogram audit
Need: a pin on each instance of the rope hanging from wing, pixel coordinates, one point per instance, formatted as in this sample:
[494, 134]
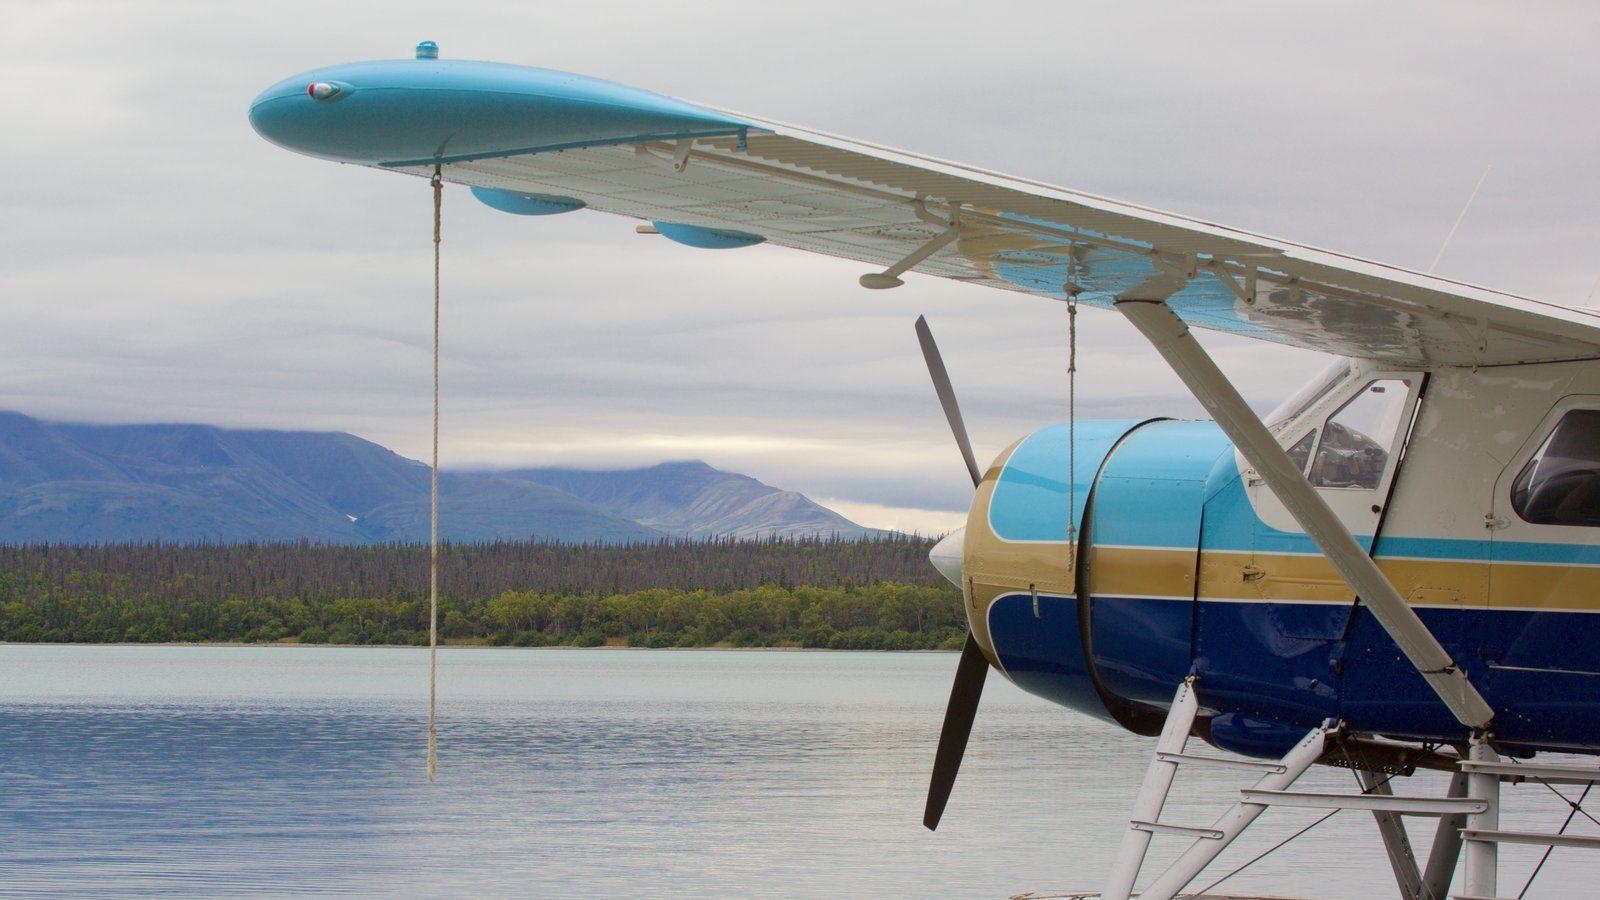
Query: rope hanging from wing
[1072, 290]
[433, 495]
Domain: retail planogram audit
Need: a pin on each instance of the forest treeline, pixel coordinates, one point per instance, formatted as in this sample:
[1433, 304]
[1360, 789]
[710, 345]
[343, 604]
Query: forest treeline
[870, 594]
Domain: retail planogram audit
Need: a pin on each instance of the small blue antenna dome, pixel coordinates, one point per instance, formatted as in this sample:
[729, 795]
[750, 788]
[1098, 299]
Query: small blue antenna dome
[427, 50]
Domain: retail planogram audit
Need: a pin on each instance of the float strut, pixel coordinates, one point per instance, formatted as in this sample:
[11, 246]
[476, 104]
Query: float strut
[1153, 793]
[1395, 839]
[1482, 877]
[1207, 847]
[1446, 847]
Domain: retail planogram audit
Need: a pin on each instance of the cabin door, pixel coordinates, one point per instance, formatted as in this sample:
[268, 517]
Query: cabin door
[1545, 548]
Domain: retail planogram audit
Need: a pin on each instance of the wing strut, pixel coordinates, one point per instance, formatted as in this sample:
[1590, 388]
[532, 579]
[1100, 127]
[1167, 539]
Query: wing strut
[1145, 306]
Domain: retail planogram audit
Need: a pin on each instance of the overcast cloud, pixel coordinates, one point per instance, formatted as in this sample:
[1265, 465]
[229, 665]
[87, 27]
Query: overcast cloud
[162, 263]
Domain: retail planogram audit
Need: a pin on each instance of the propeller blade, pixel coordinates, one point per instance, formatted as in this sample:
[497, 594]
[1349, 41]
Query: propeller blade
[947, 399]
[958, 716]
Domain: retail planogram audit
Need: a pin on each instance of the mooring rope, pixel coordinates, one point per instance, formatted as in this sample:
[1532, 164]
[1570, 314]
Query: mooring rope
[433, 496]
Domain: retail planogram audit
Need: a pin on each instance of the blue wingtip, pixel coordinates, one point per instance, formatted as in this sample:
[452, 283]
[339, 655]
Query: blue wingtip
[400, 112]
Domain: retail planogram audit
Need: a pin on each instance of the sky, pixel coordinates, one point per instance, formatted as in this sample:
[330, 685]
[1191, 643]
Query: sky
[159, 262]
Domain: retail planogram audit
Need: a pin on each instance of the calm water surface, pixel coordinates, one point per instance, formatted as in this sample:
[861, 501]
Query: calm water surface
[295, 771]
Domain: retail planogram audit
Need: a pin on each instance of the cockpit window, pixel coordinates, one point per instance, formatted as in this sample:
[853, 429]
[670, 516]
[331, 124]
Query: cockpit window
[1354, 450]
[1301, 451]
[1308, 395]
[1561, 484]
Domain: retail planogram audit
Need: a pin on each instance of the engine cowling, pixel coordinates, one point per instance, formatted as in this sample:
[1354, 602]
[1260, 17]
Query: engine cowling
[1078, 567]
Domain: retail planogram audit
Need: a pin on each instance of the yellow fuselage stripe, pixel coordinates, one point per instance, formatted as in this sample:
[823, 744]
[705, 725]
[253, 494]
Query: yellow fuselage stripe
[1305, 578]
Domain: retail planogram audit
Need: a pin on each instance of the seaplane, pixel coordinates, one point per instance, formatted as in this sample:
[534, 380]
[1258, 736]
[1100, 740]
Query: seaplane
[1398, 569]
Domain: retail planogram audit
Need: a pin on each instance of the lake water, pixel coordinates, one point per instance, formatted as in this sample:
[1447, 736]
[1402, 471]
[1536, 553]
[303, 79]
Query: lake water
[285, 770]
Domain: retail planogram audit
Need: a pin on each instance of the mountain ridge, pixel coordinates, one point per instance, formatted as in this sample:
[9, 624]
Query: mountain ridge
[693, 499]
[65, 482]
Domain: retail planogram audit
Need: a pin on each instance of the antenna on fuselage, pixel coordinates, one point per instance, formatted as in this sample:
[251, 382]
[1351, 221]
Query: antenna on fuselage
[1461, 218]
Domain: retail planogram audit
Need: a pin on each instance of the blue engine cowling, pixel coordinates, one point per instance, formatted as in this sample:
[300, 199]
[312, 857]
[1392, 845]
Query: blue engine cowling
[1116, 521]
[1100, 575]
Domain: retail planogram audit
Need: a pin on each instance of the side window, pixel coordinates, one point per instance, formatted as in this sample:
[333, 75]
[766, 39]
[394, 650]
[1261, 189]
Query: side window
[1354, 450]
[1561, 484]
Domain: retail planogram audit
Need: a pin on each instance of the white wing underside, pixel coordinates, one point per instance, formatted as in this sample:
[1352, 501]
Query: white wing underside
[841, 198]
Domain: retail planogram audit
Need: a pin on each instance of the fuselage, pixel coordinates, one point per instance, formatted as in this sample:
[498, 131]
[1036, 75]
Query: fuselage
[1186, 564]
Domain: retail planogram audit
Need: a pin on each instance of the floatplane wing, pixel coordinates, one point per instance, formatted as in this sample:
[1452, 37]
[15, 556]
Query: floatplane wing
[537, 141]
[534, 141]
[636, 153]
[829, 195]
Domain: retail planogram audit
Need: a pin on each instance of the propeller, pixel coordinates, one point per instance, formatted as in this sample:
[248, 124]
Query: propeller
[947, 396]
[973, 667]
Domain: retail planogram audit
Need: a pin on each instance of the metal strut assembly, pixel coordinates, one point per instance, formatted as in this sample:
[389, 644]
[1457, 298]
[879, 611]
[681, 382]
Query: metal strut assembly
[1468, 814]
[1153, 793]
[1484, 771]
[1432, 883]
[1208, 841]
[890, 277]
[1273, 788]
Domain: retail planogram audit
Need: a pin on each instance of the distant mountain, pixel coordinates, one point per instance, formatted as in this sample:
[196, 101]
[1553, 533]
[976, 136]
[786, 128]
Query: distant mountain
[693, 499]
[94, 483]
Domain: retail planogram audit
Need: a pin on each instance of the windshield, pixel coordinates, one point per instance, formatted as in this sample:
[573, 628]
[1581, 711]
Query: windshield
[1354, 452]
[1314, 390]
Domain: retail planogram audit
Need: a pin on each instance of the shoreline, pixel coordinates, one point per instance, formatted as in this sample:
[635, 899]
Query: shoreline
[296, 644]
